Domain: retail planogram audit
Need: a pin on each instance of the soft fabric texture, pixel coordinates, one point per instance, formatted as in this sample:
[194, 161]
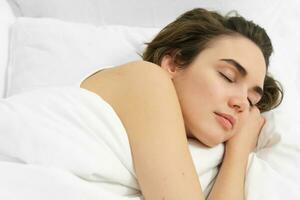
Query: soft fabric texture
[144, 13]
[272, 169]
[7, 18]
[73, 136]
[73, 140]
[49, 52]
[40, 55]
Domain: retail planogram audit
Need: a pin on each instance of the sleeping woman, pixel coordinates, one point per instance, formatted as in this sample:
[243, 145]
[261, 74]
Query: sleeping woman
[204, 76]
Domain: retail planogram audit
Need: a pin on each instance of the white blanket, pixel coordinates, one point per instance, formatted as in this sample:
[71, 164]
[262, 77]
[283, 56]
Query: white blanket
[68, 143]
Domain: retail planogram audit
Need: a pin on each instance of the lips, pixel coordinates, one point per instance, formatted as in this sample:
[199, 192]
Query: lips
[230, 118]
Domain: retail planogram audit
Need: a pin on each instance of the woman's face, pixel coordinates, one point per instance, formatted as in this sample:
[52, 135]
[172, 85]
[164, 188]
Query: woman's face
[223, 79]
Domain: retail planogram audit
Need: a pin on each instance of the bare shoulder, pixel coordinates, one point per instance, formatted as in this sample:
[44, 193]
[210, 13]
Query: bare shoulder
[136, 90]
[118, 83]
[149, 94]
[153, 120]
[143, 71]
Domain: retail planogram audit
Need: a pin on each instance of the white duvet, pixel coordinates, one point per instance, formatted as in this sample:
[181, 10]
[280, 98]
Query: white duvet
[68, 143]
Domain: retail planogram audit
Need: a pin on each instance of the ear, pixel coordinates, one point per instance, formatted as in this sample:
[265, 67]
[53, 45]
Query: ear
[167, 63]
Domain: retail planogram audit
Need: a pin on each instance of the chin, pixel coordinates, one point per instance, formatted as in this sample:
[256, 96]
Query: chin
[210, 145]
[208, 136]
[213, 140]
[208, 142]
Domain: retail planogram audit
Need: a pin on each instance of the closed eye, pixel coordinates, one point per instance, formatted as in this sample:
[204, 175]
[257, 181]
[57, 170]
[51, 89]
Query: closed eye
[226, 78]
[250, 103]
[229, 80]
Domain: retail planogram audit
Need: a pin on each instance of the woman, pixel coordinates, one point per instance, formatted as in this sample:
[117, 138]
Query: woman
[204, 76]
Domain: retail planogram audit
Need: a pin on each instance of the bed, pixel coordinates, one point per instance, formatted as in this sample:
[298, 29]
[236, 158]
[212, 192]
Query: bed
[55, 43]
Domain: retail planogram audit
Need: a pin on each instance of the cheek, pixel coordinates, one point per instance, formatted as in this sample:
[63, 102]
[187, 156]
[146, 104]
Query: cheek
[213, 92]
[198, 105]
[200, 97]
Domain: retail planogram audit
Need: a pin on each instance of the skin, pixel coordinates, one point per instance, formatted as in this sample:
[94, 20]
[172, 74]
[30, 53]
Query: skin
[177, 104]
[202, 90]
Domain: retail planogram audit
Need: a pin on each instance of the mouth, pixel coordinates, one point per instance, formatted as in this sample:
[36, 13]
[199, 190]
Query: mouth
[227, 121]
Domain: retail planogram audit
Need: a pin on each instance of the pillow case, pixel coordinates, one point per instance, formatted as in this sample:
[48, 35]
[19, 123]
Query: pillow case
[41, 47]
[50, 52]
[142, 13]
[277, 17]
[7, 18]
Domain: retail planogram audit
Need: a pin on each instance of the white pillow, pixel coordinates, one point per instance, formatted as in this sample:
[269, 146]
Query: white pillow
[53, 52]
[49, 52]
[142, 13]
[7, 18]
[276, 16]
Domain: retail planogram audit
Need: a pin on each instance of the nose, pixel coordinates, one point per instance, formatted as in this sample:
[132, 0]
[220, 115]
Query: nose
[238, 103]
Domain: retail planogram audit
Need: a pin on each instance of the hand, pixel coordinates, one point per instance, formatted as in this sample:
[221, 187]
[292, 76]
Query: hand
[247, 132]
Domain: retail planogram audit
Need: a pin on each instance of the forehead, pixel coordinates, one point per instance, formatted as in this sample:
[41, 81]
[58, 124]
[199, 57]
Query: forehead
[240, 49]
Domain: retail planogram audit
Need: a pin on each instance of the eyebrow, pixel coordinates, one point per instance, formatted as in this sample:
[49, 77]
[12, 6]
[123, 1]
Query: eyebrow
[243, 72]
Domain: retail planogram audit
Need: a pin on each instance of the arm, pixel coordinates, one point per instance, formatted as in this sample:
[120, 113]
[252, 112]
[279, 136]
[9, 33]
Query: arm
[231, 177]
[155, 128]
[230, 181]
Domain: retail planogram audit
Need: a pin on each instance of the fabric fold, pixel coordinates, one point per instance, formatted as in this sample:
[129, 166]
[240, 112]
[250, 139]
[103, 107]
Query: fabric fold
[75, 131]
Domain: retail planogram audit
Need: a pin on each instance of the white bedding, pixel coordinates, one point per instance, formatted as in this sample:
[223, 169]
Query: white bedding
[67, 142]
[72, 137]
[7, 18]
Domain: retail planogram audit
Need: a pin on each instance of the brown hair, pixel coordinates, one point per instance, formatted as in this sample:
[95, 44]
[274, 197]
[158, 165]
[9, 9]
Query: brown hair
[192, 32]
